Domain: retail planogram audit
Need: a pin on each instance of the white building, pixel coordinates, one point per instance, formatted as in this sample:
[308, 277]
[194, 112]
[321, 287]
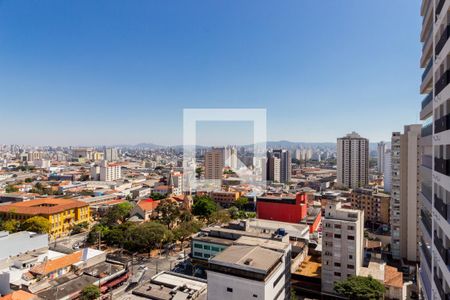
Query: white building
[253, 269]
[434, 222]
[342, 244]
[106, 171]
[381, 150]
[387, 177]
[352, 161]
[405, 208]
[111, 154]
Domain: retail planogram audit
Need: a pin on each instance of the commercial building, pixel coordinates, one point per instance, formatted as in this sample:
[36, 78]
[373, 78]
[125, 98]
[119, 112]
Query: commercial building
[342, 244]
[375, 204]
[282, 207]
[252, 269]
[62, 214]
[381, 150]
[225, 199]
[214, 164]
[434, 222]
[405, 207]
[352, 161]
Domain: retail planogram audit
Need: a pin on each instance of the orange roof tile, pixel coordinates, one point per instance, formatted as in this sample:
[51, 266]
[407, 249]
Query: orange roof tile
[392, 277]
[42, 206]
[18, 295]
[56, 264]
[148, 204]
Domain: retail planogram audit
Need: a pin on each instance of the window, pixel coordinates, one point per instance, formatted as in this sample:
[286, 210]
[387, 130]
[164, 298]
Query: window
[337, 236]
[278, 279]
[336, 264]
[206, 255]
[230, 290]
[206, 247]
[337, 274]
[198, 254]
[198, 246]
[350, 256]
[351, 228]
[351, 237]
[216, 249]
[351, 267]
[337, 226]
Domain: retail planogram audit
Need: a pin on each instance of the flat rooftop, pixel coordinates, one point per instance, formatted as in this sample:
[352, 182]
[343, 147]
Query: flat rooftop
[251, 258]
[264, 243]
[310, 267]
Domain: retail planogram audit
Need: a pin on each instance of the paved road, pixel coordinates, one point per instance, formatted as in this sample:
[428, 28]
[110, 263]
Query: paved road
[70, 241]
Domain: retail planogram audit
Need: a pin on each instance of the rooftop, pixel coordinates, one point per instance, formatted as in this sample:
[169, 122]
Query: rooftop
[42, 206]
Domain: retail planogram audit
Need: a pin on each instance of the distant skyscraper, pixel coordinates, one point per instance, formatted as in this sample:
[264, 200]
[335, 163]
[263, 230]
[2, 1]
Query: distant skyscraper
[353, 161]
[285, 170]
[387, 171]
[405, 190]
[273, 168]
[214, 163]
[380, 156]
[111, 154]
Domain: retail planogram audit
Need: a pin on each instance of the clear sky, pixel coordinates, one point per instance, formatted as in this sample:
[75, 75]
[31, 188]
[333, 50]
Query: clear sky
[113, 72]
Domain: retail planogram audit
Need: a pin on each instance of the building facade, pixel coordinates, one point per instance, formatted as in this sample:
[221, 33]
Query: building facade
[435, 150]
[214, 164]
[375, 204]
[405, 207]
[381, 149]
[62, 214]
[387, 173]
[352, 161]
[342, 244]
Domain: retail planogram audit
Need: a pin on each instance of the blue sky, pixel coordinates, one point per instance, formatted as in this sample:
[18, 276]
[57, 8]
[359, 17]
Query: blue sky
[107, 72]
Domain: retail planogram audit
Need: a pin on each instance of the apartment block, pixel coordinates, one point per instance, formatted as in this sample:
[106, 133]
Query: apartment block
[342, 244]
[214, 163]
[405, 206]
[374, 203]
[434, 225]
[352, 161]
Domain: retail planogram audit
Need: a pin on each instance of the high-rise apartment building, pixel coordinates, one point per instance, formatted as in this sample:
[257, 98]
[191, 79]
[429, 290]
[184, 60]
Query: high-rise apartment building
[405, 193]
[214, 163]
[381, 149]
[342, 244]
[281, 157]
[352, 161]
[387, 173]
[434, 224]
[111, 154]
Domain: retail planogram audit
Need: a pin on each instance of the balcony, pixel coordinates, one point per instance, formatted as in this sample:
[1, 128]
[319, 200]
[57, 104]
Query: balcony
[427, 161]
[442, 166]
[428, 98]
[439, 7]
[426, 191]
[426, 254]
[441, 43]
[442, 208]
[439, 284]
[444, 253]
[427, 130]
[442, 124]
[442, 82]
[426, 222]
[427, 70]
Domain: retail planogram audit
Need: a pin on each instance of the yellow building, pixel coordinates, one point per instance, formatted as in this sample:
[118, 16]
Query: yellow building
[62, 214]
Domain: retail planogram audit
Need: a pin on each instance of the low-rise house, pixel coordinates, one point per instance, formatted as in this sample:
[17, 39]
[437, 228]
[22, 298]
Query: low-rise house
[144, 209]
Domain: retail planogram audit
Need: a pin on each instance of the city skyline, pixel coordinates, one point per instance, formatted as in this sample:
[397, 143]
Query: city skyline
[113, 74]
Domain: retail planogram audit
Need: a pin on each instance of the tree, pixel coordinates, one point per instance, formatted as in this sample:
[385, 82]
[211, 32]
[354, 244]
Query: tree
[167, 212]
[78, 228]
[117, 214]
[11, 189]
[97, 232]
[36, 224]
[157, 196]
[90, 292]
[358, 287]
[10, 225]
[219, 217]
[148, 236]
[203, 206]
[234, 212]
[241, 202]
